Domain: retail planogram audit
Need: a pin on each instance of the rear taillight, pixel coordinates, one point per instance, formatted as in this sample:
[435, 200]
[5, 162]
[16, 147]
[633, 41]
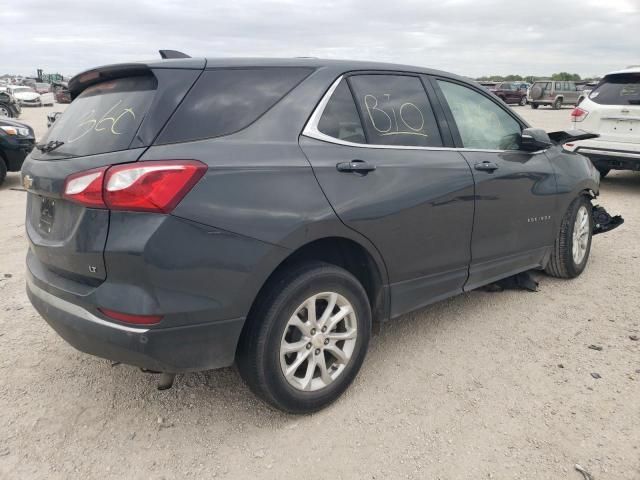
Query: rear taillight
[156, 186]
[578, 114]
[85, 188]
[151, 186]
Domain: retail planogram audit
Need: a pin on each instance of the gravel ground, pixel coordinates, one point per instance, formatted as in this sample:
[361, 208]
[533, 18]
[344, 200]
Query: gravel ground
[484, 385]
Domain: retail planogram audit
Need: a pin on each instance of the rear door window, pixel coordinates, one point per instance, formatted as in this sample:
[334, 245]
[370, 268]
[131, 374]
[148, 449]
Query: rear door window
[224, 101]
[103, 118]
[618, 90]
[340, 117]
[395, 110]
[482, 124]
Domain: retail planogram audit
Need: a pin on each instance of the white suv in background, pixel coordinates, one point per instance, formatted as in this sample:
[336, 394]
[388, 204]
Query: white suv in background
[612, 110]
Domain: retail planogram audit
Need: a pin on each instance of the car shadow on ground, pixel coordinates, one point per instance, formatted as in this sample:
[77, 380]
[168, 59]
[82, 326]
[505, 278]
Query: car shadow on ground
[621, 181]
[224, 391]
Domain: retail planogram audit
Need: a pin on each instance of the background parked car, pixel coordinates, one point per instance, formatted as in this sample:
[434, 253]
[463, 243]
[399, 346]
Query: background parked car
[553, 93]
[52, 117]
[28, 97]
[510, 92]
[612, 110]
[61, 93]
[42, 87]
[9, 106]
[16, 142]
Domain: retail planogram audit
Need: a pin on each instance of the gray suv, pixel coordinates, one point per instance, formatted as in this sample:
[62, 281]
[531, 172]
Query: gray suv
[189, 214]
[554, 93]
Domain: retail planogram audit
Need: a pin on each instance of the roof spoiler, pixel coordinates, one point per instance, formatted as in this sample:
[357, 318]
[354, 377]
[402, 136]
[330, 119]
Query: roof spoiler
[166, 54]
[101, 74]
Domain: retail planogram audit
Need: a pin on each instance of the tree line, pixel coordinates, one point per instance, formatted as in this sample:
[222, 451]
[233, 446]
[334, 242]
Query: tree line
[531, 78]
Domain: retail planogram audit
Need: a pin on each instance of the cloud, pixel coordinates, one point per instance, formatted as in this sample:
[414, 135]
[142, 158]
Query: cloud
[469, 37]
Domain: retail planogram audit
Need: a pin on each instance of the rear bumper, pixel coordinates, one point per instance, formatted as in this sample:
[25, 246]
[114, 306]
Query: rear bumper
[175, 349]
[609, 155]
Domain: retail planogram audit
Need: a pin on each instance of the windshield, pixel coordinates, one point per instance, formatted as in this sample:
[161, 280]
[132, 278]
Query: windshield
[103, 118]
[620, 89]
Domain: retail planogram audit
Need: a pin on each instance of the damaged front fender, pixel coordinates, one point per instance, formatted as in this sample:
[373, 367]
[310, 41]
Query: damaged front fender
[602, 221]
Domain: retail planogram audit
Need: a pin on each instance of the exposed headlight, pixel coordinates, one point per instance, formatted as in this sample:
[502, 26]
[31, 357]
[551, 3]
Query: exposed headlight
[19, 131]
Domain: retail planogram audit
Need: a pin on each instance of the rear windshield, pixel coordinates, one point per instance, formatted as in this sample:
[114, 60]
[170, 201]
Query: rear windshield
[618, 90]
[103, 118]
[224, 101]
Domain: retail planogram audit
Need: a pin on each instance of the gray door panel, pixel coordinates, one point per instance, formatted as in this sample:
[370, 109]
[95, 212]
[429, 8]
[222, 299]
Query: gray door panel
[515, 208]
[416, 207]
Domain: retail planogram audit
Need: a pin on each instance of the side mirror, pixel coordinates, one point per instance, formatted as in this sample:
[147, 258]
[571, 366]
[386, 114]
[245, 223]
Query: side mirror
[533, 139]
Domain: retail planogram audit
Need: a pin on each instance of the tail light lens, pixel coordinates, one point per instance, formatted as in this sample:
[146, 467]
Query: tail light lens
[578, 114]
[85, 188]
[151, 186]
[155, 186]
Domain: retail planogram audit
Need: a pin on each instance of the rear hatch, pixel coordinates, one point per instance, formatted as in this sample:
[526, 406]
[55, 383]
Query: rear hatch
[116, 114]
[617, 116]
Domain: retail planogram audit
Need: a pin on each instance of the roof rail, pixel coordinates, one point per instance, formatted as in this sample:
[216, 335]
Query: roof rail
[165, 54]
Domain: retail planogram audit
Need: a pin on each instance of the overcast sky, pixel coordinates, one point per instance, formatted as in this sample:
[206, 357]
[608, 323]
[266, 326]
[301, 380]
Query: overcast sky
[469, 37]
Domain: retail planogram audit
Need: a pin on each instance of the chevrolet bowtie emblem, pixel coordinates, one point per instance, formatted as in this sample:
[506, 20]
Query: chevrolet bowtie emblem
[27, 182]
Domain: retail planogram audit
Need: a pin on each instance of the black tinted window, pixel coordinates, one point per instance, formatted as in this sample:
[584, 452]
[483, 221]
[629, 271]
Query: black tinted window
[224, 101]
[104, 117]
[340, 118]
[618, 90]
[395, 110]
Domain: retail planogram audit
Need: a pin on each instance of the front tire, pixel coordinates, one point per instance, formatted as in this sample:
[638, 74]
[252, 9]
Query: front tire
[523, 101]
[534, 106]
[306, 338]
[603, 171]
[557, 104]
[573, 244]
[5, 111]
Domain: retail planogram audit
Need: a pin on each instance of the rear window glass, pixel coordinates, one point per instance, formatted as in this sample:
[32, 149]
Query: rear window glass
[103, 118]
[224, 101]
[395, 110]
[618, 90]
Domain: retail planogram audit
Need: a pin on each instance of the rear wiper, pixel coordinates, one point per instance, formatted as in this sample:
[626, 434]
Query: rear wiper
[49, 146]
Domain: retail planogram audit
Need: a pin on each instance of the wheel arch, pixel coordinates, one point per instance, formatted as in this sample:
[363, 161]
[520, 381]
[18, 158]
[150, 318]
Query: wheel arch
[343, 252]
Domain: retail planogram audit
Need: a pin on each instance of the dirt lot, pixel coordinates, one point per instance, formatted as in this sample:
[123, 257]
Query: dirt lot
[485, 385]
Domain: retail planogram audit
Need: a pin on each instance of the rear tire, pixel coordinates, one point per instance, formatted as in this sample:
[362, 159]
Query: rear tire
[283, 321]
[573, 244]
[603, 171]
[534, 106]
[3, 170]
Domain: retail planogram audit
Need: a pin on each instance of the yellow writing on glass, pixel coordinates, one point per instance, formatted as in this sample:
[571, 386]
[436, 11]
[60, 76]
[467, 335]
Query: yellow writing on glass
[88, 122]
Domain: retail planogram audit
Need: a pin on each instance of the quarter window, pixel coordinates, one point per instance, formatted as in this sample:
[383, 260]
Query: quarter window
[224, 101]
[482, 124]
[340, 116]
[395, 110]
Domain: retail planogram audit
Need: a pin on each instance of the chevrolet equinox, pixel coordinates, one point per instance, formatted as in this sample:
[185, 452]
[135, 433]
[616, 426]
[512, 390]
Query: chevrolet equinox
[188, 214]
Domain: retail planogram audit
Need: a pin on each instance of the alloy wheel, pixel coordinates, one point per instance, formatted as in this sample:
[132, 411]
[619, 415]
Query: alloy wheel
[580, 235]
[318, 341]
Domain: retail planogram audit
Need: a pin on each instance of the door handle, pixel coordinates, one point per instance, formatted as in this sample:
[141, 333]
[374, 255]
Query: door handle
[486, 166]
[356, 166]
